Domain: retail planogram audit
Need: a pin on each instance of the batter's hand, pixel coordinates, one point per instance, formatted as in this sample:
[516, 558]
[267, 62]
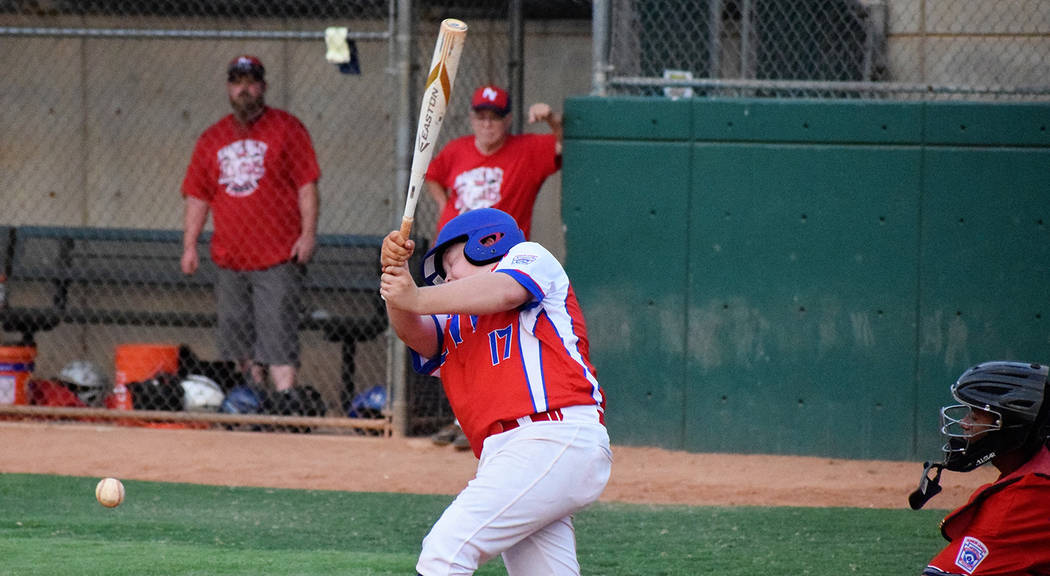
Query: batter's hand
[396, 251]
[398, 288]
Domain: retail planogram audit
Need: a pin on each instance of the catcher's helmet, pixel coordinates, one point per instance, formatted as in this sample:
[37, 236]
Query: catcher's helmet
[489, 233]
[1014, 393]
[85, 379]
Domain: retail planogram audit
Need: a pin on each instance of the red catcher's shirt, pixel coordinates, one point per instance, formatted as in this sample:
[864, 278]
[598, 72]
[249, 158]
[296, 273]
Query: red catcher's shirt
[1004, 529]
[251, 178]
[518, 362]
[509, 179]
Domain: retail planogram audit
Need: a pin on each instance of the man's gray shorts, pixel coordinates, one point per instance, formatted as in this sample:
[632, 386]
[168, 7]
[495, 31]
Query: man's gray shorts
[258, 314]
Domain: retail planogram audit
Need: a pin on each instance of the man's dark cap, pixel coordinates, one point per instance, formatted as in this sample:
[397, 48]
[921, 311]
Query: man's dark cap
[246, 64]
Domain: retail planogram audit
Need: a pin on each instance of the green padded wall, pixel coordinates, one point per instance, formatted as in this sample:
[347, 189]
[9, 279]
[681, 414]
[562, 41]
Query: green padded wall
[803, 277]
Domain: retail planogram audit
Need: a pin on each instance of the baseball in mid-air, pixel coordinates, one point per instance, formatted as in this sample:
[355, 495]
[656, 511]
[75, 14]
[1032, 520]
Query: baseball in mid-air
[109, 492]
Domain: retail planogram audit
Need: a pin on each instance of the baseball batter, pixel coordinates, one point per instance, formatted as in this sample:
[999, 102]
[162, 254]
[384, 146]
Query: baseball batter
[500, 320]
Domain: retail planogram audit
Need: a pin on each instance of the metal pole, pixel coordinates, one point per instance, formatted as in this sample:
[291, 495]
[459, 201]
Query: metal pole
[746, 30]
[600, 23]
[181, 34]
[714, 40]
[516, 62]
[402, 60]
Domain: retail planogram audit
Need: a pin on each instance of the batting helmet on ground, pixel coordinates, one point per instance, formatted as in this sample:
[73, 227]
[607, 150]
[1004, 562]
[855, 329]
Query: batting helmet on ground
[243, 399]
[489, 233]
[368, 404]
[85, 379]
[201, 394]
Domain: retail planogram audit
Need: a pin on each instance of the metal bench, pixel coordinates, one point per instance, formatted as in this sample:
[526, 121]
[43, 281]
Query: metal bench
[132, 277]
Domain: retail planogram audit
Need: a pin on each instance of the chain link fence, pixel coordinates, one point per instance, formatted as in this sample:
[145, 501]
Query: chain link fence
[899, 49]
[101, 107]
[103, 102]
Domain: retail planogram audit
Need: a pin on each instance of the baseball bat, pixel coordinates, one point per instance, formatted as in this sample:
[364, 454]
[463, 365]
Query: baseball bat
[436, 94]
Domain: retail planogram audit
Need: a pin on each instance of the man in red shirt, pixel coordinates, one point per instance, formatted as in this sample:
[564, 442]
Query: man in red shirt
[493, 168]
[255, 170]
[1002, 418]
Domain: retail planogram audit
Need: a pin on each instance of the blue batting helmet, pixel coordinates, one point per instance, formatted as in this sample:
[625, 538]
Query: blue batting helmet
[243, 399]
[489, 233]
[368, 404]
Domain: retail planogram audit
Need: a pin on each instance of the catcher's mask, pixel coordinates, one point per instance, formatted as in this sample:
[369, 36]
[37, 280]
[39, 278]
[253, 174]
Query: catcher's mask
[489, 233]
[1001, 409]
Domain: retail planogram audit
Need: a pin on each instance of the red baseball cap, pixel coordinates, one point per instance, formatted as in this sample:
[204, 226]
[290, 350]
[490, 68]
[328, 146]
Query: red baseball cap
[245, 64]
[491, 97]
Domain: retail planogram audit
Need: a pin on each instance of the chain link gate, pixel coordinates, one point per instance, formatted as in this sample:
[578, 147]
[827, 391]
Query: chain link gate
[892, 49]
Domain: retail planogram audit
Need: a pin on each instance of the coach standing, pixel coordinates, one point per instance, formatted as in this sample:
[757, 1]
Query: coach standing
[257, 172]
[492, 168]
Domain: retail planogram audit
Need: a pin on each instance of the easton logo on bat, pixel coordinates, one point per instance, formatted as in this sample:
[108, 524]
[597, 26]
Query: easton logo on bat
[424, 134]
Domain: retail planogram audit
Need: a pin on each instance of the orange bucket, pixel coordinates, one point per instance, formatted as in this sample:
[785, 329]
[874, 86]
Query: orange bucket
[16, 366]
[136, 363]
[139, 362]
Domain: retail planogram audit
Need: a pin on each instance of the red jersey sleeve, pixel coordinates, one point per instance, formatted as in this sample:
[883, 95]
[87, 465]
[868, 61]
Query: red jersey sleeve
[200, 181]
[303, 166]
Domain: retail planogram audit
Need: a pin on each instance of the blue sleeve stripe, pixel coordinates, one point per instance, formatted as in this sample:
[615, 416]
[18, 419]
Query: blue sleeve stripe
[526, 281]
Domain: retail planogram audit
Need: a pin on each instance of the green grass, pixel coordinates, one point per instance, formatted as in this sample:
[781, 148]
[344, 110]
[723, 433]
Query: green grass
[51, 525]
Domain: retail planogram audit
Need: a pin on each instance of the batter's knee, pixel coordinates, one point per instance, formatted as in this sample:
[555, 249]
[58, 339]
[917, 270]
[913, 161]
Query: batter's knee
[443, 559]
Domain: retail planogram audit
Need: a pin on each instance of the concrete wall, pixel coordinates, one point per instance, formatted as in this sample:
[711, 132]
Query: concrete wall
[976, 42]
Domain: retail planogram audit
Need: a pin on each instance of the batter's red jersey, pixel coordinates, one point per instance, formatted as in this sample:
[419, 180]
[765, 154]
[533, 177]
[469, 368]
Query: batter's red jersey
[1004, 529]
[508, 179]
[518, 362]
[251, 179]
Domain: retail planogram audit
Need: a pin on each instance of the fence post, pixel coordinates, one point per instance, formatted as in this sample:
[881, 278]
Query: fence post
[516, 62]
[600, 21]
[402, 54]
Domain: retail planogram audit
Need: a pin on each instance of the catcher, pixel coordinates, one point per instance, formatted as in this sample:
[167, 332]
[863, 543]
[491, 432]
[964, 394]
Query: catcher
[501, 322]
[1002, 418]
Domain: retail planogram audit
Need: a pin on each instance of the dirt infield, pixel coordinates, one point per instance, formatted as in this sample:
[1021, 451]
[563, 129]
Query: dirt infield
[414, 465]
